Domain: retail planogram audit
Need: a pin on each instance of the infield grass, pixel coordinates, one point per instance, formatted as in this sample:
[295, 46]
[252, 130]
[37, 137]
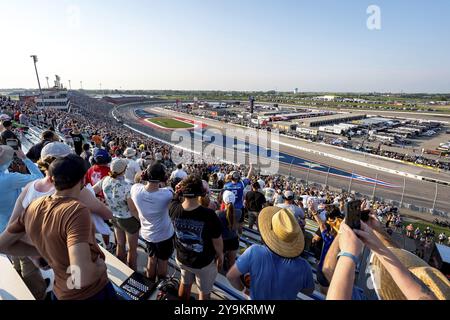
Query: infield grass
[170, 123]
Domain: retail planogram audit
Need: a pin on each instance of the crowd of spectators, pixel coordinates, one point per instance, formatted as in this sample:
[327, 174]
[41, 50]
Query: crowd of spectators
[102, 176]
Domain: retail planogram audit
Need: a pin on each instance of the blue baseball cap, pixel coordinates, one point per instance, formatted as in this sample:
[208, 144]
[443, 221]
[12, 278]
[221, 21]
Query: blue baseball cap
[101, 154]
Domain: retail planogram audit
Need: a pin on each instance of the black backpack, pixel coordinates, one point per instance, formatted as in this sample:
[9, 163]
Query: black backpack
[168, 290]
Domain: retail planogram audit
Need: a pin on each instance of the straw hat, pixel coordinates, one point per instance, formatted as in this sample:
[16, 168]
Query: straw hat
[129, 152]
[281, 232]
[429, 277]
[434, 280]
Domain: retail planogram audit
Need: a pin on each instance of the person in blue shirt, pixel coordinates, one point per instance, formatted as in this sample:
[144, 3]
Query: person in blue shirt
[11, 184]
[237, 186]
[277, 272]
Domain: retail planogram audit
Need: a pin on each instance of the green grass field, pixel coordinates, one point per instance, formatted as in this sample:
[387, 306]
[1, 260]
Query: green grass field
[170, 123]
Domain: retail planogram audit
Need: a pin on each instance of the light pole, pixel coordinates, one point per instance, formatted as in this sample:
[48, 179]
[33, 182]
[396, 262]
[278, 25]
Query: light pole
[35, 60]
[70, 86]
[48, 85]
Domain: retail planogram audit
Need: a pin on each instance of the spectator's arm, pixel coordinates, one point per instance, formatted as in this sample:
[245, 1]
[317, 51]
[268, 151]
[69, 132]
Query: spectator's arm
[95, 205]
[218, 247]
[21, 180]
[319, 221]
[329, 264]
[10, 243]
[341, 285]
[85, 271]
[234, 277]
[19, 249]
[250, 171]
[18, 208]
[98, 187]
[132, 208]
[399, 273]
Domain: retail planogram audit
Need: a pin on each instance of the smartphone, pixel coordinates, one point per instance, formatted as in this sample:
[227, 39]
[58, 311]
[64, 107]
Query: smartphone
[352, 212]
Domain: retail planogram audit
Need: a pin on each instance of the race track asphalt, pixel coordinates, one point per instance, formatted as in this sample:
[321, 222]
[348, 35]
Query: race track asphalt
[341, 175]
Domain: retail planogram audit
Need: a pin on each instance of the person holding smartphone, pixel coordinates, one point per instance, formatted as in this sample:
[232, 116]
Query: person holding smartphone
[11, 184]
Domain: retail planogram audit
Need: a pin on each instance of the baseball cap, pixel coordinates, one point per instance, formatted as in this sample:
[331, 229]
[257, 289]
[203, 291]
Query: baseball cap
[66, 172]
[288, 195]
[228, 197]
[6, 154]
[4, 117]
[101, 153]
[55, 150]
[235, 175]
[119, 166]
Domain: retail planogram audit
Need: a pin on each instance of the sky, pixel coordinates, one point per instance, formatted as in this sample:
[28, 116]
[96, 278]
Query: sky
[312, 45]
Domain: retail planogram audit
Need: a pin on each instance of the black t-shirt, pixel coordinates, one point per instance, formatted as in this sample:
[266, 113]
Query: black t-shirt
[77, 142]
[194, 231]
[255, 201]
[34, 154]
[8, 134]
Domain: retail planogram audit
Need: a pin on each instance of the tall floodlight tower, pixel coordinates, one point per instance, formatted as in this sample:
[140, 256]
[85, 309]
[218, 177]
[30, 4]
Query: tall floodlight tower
[252, 105]
[70, 85]
[35, 60]
[48, 85]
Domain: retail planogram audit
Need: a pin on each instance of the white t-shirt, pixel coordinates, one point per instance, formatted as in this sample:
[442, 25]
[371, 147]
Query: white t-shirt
[296, 210]
[179, 173]
[153, 208]
[269, 193]
[132, 169]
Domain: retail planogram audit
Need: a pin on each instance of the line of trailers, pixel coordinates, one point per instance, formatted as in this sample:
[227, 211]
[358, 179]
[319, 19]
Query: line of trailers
[399, 134]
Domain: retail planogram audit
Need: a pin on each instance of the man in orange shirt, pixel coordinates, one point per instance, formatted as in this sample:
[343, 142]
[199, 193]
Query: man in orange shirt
[61, 230]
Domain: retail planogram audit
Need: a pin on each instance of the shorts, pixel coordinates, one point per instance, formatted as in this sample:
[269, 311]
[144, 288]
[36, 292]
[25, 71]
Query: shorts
[129, 225]
[162, 250]
[231, 244]
[252, 217]
[204, 277]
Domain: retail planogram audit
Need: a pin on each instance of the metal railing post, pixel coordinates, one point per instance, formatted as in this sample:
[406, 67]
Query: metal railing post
[328, 174]
[307, 176]
[351, 180]
[403, 192]
[375, 187]
[290, 167]
[435, 198]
